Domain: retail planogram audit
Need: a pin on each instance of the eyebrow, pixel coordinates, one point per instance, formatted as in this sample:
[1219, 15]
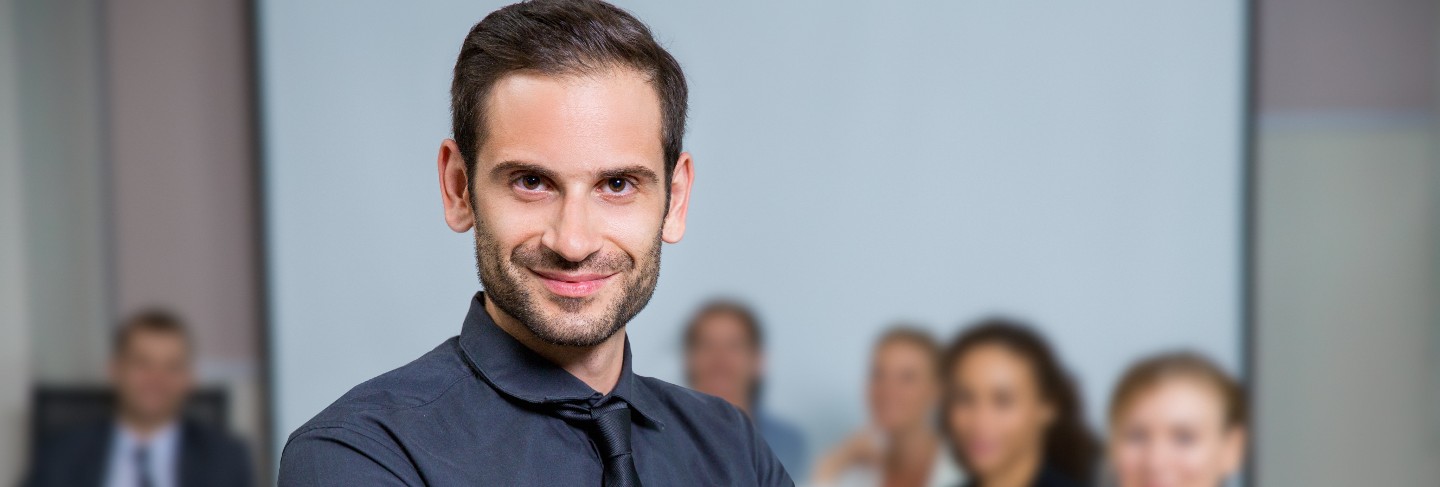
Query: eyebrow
[501, 169]
[636, 170]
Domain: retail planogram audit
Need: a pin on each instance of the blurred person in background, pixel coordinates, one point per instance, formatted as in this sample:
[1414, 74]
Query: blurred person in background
[725, 357]
[149, 443]
[1176, 420]
[901, 447]
[1011, 411]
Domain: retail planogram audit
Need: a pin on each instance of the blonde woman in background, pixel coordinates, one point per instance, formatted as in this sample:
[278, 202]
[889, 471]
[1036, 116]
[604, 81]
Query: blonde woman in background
[1176, 420]
[902, 448]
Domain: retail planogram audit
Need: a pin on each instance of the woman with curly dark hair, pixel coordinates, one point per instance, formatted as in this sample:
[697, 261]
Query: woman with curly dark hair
[1011, 412]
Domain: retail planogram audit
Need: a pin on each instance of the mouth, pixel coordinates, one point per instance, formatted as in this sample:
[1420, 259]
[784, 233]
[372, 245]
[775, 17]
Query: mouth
[572, 285]
[979, 449]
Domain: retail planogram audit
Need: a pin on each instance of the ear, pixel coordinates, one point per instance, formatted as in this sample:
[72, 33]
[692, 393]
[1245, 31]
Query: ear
[454, 187]
[1234, 453]
[681, 179]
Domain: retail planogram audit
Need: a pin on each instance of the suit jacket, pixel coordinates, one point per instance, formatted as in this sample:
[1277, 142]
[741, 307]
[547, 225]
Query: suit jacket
[78, 458]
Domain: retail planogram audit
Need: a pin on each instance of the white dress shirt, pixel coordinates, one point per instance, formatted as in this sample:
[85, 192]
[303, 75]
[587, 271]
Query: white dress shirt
[162, 462]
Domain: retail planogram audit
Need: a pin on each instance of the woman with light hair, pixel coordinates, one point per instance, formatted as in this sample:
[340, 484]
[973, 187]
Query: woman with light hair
[1176, 420]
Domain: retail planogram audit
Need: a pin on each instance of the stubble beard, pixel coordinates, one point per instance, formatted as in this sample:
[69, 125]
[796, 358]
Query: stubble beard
[504, 278]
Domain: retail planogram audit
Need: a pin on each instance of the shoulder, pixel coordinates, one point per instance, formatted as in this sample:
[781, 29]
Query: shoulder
[687, 405]
[81, 436]
[59, 453]
[366, 407]
[718, 426]
[212, 456]
[197, 436]
[355, 438]
[700, 417]
[412, 385]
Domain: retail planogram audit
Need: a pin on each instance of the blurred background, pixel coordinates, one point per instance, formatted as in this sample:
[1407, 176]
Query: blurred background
[1258, 181]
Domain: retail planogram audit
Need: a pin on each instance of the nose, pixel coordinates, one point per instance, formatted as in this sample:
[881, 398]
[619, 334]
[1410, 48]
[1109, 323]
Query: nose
[572, 233]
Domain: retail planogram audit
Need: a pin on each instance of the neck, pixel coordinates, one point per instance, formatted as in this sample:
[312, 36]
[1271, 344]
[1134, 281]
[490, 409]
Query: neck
[142, 426]
[1020, 472]
[912, 447]
[746, 404]
[598, 367]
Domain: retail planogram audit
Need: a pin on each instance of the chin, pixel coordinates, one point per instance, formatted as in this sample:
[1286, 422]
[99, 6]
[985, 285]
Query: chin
[582, 328]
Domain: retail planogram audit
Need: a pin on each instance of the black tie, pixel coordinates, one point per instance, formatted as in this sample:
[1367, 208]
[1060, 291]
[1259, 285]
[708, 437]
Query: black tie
[609, 427]
[142, 467]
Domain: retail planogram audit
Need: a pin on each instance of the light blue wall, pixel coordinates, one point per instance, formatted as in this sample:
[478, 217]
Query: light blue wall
[1076, 163]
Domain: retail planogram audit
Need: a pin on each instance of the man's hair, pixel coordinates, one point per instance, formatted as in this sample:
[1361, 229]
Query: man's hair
[1157, 370]
[747, 318]
[561, 37]
[153, 320]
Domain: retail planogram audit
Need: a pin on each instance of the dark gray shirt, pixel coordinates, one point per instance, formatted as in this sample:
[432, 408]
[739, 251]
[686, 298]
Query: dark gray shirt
[477, 410]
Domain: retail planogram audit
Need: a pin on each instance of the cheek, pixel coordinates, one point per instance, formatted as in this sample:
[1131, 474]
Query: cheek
[719, 364]
[633, 229]
[1013, 423]
[1131, 460]
[508, 225]
[1199, 461]
[959, 420]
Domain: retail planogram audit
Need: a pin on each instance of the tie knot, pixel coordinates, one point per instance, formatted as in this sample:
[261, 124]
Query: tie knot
[610, 424]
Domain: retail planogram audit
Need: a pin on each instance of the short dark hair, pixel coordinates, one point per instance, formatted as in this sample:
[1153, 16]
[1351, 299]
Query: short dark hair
[747, 318]
[1069, 446]
[561, 37]
[150, 320]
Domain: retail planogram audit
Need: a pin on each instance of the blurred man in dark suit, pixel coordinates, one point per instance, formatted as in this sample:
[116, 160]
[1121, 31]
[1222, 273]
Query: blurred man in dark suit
[148, 443]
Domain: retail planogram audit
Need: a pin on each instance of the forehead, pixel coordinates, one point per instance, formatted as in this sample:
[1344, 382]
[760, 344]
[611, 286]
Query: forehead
[991, 362]
[1179, 398]
[718, 324]
[902, 353]
[586, 121]
[145, 340]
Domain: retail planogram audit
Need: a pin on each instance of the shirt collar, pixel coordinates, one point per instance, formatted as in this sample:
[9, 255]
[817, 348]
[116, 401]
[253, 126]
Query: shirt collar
[163, 438]
[515, 370]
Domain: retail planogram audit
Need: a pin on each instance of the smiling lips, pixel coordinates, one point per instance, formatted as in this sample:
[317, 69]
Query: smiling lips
[572, 285]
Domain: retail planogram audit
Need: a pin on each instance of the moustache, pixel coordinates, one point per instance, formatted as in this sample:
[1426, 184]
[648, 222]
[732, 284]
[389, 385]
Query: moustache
[542, 258]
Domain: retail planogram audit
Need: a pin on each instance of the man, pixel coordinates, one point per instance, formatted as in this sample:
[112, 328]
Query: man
[566, 163]
[149, 443]
[725, 357]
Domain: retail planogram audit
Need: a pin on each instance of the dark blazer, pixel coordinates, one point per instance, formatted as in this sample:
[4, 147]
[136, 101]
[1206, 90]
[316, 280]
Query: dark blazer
[78, 457]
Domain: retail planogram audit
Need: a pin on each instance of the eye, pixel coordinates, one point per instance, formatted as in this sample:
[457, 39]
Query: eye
[530, 182]
[1136, 436]
[617, 185]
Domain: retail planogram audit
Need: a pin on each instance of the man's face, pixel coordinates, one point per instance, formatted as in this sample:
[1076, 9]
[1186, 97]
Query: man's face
[152, 375]
[569, 197]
